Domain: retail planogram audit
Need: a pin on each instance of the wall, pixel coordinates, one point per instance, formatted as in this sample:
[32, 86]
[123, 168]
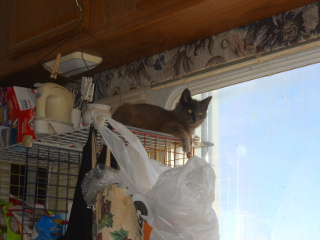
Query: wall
[288, 29]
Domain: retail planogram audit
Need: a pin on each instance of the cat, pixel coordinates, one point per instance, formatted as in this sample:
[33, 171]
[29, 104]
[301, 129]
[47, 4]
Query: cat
[180, 122]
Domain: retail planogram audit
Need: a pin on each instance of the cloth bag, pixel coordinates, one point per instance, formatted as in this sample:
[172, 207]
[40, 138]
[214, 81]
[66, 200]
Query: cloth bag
[172, 203]
[114, 214]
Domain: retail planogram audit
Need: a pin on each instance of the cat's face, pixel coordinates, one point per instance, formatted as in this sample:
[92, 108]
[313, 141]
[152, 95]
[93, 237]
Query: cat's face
[191, 111]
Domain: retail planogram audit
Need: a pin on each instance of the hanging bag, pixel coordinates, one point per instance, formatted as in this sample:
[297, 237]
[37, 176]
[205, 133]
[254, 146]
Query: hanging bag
[172, 203]
[80, 222]
[114, 214]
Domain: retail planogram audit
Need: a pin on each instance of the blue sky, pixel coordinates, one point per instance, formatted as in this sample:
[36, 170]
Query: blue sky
[270, 150]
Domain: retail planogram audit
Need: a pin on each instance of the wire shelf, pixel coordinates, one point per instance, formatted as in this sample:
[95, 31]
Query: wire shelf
[66, 147]
[49, 168]
[161, 147]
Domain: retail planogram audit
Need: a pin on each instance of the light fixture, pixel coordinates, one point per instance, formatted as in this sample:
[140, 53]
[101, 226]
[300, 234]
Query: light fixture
[74, 63]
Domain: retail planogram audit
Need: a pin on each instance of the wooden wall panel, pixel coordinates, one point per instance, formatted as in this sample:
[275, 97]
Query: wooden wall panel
[119, 31]
[39, 23]
[36, 17]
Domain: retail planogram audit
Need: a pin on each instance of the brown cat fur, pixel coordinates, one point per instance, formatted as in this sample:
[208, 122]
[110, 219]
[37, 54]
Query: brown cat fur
[180, 122]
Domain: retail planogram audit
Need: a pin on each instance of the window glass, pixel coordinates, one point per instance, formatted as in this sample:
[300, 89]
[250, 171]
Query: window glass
[266, 152]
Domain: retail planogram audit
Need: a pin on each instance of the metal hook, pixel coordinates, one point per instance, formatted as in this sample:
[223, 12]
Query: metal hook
[79, 6]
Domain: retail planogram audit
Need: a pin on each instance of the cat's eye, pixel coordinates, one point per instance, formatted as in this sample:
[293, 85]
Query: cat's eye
[200, 114]
[190, 111]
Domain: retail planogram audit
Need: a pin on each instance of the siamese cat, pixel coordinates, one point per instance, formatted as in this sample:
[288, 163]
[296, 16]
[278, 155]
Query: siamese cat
[180, 122]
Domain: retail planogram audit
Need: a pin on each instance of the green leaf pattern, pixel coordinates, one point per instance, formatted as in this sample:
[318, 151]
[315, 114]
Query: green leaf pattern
[106, 221]
[120, 235]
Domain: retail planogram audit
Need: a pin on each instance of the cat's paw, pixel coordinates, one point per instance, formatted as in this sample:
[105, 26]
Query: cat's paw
[195, 141]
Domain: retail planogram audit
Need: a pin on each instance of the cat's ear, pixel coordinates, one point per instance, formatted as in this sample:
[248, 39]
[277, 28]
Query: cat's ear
[185, 96]
[205, 102]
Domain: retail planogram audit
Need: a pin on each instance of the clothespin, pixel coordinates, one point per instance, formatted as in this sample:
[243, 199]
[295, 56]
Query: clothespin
[85, 87]
[90, 93]
[55, 68]
[87, 90]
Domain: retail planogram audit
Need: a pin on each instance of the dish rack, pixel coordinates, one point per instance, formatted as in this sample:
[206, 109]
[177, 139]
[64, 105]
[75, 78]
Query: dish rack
[45, 174]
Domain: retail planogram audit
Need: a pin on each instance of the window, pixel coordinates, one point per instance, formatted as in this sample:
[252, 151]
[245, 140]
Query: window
[16, 179]
[35, 187]
[266, 137]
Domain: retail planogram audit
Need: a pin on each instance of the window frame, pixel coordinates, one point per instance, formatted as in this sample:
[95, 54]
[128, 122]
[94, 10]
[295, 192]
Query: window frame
[236, 73]
[167, 94]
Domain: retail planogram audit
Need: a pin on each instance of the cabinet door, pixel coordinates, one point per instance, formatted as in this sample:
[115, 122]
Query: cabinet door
[41, 23]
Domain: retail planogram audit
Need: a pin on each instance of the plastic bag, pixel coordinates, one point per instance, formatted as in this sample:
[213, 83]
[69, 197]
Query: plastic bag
[48, 228]
[7, 220]
[172, 203]
[95, 180]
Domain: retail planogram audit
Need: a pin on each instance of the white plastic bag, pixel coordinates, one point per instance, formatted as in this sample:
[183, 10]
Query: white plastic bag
[172, 203]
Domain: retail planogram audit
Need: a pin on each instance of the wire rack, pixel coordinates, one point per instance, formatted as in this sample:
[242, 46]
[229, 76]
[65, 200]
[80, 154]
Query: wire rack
[55, 145]
[161, 147]
[51, 165]
[66, 147]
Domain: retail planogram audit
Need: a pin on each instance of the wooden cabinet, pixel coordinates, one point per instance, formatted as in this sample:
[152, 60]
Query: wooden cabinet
[38, 23]
[119, 31]
[35, 30]
[32, 28]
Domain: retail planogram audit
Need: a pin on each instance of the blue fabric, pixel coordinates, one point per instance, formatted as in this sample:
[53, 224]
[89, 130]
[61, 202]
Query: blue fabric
[49, 228]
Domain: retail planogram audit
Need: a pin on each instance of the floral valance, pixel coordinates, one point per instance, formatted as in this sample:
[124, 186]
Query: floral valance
[283, 30]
